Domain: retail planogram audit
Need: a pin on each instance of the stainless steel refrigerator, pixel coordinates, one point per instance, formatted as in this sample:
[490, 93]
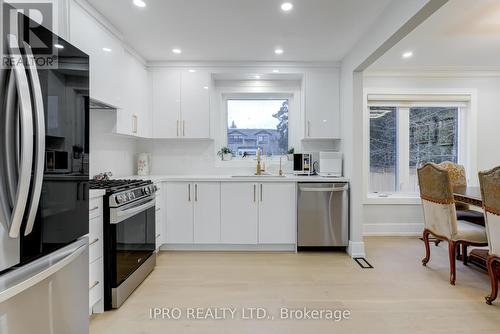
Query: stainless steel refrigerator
[44, 88]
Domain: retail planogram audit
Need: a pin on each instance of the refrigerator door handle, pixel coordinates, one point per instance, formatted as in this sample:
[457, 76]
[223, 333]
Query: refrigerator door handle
[39, 120]
[32, 279]
[9, 147]
[26, 121]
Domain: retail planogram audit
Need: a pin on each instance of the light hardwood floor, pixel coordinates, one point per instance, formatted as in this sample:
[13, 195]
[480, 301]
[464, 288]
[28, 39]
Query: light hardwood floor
[398, 296]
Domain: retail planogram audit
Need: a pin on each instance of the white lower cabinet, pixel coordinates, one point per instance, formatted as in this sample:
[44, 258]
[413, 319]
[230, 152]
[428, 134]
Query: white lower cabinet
[258, 213]
[206, 218]
[193, 212]
[160, 216]
[277, 213]
[230, 213]
[96, 270]
[239, 213]
[179, 213]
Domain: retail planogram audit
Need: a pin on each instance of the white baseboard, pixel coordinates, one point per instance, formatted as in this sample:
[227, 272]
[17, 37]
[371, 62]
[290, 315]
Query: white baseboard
[230, 247]
[356, 249]
[403, 229]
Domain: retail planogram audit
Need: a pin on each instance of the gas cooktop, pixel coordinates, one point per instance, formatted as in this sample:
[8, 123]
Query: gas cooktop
[121, 192]
[113, 186]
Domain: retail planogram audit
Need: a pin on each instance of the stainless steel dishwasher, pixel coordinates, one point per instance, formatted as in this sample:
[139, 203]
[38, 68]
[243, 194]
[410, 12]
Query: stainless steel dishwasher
[323, 215]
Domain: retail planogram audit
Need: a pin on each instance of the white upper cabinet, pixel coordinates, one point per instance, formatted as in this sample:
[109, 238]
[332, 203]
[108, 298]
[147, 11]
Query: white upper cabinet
[106, 55]
[195, 104]
[166, 103]
[322, 103]
[277, 210]
[181, 103]
[135, 116]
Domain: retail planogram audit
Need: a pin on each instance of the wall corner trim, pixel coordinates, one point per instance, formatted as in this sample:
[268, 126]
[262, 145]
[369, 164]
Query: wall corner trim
[356, 249]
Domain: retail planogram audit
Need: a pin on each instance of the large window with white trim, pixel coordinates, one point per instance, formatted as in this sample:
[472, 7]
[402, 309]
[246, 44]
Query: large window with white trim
[257, 123]
[407, 131]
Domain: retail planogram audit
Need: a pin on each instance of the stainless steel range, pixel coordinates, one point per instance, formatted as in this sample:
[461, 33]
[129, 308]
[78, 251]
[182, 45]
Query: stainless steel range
[129, 236]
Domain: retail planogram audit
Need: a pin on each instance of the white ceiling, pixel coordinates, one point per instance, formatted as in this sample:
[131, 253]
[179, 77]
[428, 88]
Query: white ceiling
[242, 30]
[462, 34]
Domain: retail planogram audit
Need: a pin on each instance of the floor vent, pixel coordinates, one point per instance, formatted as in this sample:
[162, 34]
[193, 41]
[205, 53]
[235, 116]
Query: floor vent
[363, 263]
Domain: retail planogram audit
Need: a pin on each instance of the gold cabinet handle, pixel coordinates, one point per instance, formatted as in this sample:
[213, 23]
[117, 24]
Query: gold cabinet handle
[96, 283]
[189, 192]
[261, 192]
[184, 128]
[254, 191]
[134, 123]
[196, 192]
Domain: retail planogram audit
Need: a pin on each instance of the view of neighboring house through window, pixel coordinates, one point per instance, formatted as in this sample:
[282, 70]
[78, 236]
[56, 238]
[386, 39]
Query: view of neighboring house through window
[403, 138]
[257, 123]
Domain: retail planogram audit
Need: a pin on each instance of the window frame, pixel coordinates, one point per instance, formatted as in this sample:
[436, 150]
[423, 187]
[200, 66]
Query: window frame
[467, 136]
[253, 96]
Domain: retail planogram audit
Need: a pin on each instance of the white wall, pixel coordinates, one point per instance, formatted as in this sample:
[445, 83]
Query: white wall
[408, 219]
[399, 19]
[108, 151]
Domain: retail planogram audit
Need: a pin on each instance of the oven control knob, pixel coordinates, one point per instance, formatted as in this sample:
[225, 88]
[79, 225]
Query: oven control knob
[119, 199]
[147, 190]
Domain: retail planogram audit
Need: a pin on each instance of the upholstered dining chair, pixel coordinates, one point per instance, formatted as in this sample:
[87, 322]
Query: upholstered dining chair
[458, 179]
[490, 191]
[464, 212]
[440, 218]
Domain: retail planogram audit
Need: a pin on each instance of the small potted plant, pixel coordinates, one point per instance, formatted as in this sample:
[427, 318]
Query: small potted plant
[225, 154]
[291, 150]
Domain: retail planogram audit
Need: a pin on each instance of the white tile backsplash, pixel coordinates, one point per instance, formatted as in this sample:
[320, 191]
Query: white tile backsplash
[108, 151]
[118, 154]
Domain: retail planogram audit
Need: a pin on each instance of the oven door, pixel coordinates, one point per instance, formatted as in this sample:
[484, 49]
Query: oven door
[133, 238]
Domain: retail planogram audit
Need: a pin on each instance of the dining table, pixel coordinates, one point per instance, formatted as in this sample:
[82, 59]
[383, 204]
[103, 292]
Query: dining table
[472, 195]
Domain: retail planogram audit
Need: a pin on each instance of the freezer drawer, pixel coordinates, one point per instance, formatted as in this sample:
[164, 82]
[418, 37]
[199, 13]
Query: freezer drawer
[49, 295]
[323, 214]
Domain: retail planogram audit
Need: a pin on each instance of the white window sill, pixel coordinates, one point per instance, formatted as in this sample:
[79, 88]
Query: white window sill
[392, 199]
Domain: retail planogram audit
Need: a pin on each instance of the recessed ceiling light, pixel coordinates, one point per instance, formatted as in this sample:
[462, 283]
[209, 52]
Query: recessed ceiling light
[278, 51]
[407, 54]
[276, 71]
[139, 3]
[192, 71]
[257, 76]
[106, 49]
[59, 46]
[177, 51]
[205, 87]
[286, 6]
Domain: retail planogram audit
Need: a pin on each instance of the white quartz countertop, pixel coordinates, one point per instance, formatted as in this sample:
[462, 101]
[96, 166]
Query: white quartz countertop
[236, 178]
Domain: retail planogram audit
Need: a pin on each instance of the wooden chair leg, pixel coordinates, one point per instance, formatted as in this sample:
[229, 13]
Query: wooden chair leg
[452, 245]
[464, 254]
[425, 236]
[493, 278]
